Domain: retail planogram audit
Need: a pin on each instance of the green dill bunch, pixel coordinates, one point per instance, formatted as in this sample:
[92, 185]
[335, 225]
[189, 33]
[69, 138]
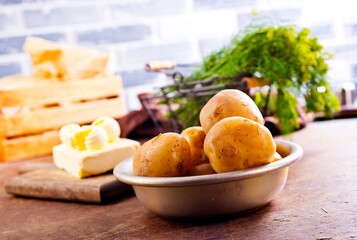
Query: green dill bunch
[292, 62]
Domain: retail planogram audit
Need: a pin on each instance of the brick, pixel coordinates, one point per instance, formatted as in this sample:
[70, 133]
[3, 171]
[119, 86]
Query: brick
[138, 77]
[352, 29]
[212, 44]
[322, 31]
[9, 21]
[214, 4]
[204, 24]
[9, 69]
[343, 50]
[185, 69]
[289, 14]
[11, 45]
[141, 55]
[147, 8]
[115, 35]
[14, 44]
[7, 2]
[130, 96]
[354, 71]
[61, 16]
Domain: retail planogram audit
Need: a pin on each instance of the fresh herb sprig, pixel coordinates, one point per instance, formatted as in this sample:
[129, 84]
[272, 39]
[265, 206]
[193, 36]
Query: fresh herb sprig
[292, 62]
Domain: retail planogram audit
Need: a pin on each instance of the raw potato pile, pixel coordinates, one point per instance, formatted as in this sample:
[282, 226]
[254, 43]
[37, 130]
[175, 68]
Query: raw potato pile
[232, 137]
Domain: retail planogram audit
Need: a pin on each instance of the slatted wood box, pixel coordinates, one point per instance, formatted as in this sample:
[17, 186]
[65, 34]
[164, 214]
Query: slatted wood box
[32, 110]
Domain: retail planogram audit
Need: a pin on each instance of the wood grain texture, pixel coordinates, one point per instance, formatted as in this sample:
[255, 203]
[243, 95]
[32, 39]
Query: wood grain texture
[29, 146]
[34, 123]
[30, 107]
[40, 180]
[29, 166]
[319, 201]
[33, 92]
[53, 118]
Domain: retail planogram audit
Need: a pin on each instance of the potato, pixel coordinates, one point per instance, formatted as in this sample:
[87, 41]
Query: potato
[202, 169]
[167, 155]
[237, 143]
[229, 103]
[195, 136]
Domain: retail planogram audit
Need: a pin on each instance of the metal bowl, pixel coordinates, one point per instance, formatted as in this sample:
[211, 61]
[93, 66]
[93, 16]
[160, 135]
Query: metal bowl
[214, 195]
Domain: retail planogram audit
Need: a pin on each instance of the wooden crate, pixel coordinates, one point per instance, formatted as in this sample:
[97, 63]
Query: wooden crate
[32, 110]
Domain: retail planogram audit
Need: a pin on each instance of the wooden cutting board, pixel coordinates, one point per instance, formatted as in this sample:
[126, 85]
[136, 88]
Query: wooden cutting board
[44, 180]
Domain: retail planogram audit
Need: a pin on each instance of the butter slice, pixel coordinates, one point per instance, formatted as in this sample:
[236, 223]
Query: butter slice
[86, 163]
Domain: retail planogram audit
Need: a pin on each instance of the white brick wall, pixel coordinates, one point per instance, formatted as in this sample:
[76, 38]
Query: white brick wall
[136, 31]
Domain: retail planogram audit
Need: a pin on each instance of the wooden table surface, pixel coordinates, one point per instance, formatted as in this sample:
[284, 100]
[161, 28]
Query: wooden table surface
[319, 201]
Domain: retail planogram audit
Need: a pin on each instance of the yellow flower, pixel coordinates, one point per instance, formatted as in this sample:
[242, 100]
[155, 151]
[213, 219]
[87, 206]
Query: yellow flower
[270, 33]
[255, 12]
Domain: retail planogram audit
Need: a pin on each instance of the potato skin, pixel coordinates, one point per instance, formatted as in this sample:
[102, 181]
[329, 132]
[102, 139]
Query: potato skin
[195, 137]
[229, 103]
[166, 155]
[202, 169]
[237, 143]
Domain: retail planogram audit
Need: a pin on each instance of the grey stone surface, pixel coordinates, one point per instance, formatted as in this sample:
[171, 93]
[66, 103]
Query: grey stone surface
[214, 4]
[61, 16]
[15, 44]
[153, 7]
[354, 71]
[343, 50]
[115, 35]
[155, 52]
[212, 44]
[137, 77]
[8, 2]
[322, 31]
[8, 21]
[140, 76]
[352, 29]
[281, 15]
[9, 69]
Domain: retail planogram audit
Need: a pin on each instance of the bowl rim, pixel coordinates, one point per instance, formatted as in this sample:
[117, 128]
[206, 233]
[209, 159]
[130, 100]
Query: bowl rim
[123, 172]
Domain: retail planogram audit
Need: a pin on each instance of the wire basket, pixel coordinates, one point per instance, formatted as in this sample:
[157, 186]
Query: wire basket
[182, 89]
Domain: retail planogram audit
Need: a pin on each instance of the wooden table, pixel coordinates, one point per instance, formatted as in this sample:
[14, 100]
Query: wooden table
[319, 201]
